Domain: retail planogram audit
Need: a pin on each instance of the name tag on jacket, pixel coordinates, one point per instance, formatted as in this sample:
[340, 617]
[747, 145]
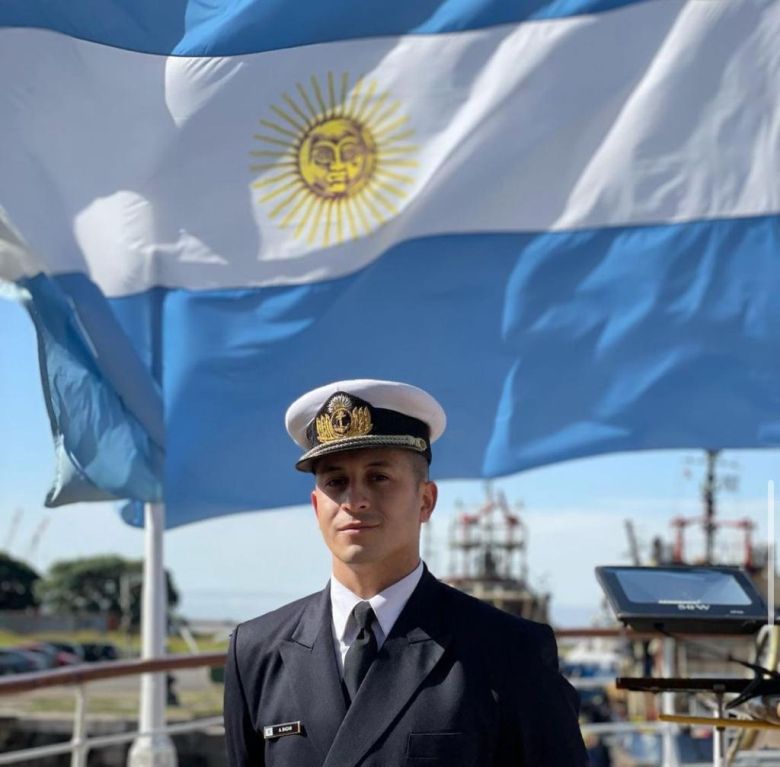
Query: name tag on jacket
[279, 730]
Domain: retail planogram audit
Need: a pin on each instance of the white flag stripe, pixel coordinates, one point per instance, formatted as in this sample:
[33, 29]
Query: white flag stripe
[655, 113]
[16, 258]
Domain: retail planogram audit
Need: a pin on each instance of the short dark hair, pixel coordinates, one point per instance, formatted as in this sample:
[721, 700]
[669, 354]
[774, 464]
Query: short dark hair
[419, 465]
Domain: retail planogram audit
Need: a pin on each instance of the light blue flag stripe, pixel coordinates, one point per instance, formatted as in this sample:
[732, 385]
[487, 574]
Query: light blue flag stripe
[227, 28]
[541, 348]
[104, 409]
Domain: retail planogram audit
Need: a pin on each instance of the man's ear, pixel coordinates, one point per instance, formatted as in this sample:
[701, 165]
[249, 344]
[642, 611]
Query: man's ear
[314, 505]
[429, 496]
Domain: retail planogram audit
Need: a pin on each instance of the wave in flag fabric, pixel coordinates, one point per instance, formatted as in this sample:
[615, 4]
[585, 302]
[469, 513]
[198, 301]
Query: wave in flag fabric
[561, 218]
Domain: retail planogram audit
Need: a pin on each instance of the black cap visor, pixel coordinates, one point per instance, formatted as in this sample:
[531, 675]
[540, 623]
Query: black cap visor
[402, 441]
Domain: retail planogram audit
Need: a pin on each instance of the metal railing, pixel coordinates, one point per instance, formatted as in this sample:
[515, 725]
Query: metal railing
[78, 677]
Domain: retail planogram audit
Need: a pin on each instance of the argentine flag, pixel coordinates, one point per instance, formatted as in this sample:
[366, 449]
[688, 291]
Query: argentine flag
[561, 217]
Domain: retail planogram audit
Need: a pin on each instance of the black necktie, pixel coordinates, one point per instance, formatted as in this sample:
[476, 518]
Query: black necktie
[363, 650]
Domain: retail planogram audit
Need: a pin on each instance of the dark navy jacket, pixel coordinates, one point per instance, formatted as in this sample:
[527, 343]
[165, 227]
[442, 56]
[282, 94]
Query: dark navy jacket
[456, 683]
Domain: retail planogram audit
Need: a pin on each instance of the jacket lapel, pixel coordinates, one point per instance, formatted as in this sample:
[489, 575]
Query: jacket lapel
[415, 645]
[310, 662]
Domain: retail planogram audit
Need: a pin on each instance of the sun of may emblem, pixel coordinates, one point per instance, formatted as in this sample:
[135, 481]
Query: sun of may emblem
[335, 161]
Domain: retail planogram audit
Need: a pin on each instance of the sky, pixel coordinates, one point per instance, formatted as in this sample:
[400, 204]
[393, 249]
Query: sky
[242, 565]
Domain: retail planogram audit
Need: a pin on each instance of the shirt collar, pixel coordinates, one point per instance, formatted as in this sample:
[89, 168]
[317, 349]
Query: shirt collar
[387, 604]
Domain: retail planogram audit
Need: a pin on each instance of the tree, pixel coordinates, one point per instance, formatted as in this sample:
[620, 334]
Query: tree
[104, 584]
[17, 583]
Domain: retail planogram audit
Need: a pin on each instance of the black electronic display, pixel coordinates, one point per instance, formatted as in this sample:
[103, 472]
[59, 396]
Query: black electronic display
[684, 599]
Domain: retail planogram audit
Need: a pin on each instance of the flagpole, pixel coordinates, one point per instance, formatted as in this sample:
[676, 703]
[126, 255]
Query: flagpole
[154, 750]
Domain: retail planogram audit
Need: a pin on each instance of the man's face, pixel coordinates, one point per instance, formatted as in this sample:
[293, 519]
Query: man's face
[370, 505]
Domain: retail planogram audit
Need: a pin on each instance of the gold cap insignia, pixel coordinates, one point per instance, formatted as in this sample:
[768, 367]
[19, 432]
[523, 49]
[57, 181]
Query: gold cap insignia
[343, 420]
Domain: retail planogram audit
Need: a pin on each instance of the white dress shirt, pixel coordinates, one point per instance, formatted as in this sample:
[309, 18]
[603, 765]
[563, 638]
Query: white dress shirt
[387, 606]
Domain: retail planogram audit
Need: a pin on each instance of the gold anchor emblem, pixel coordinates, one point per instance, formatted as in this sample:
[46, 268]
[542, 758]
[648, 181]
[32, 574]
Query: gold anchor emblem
[343, 420]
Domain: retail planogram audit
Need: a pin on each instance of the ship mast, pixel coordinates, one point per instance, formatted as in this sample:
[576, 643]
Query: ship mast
[708, 496]
[709, 520]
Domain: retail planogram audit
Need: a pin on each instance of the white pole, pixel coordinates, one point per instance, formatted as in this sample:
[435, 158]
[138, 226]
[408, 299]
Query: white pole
[770, 570]
[719, 746]
[154, 750]
[78, 757]
[670, 754]
[425, 537]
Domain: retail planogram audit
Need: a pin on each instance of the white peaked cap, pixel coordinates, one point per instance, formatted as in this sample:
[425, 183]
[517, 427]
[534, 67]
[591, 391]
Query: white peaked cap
[401, 398]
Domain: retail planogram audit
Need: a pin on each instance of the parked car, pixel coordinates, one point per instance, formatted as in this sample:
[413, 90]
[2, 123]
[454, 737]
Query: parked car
[99, 651]
[69, 647]
[41, 663]
[46, 653]
[54, 656]
[13, 662]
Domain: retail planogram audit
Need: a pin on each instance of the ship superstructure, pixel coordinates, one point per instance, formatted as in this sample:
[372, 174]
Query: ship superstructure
[488, 549]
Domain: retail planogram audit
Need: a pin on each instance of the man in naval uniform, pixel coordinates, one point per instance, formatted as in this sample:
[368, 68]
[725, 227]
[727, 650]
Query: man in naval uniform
[387, 666]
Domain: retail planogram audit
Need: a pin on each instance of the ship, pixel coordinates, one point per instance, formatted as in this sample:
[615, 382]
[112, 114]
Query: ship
[488, 547]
